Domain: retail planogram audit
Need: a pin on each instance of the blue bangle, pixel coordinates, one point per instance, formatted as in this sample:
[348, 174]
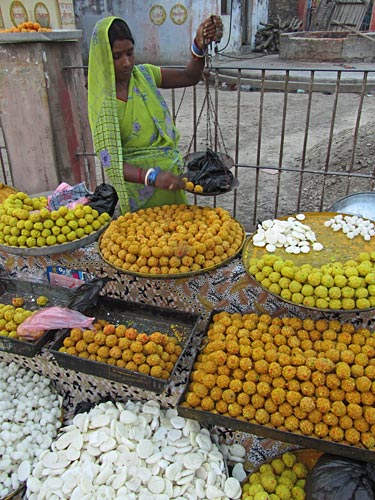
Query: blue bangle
[151, 179]
[197, 51]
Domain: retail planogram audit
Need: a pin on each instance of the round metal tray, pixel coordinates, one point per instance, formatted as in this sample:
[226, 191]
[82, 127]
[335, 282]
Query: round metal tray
[337, 247]
[227, 162]
[55, 249]
[361, 204]
[179, 275]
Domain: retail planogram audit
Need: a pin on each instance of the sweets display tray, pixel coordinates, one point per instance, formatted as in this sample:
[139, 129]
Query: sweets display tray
[144, 318]
[10, 288]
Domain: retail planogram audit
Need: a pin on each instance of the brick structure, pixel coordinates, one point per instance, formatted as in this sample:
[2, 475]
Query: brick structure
[286, 9]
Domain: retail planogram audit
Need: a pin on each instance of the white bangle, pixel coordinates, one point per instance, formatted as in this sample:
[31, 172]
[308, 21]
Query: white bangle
[149, 171]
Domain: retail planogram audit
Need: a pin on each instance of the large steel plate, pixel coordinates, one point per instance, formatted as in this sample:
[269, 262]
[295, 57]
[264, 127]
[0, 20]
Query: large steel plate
[179, 275]
[337, 247]
[55, 249]
[361, 204]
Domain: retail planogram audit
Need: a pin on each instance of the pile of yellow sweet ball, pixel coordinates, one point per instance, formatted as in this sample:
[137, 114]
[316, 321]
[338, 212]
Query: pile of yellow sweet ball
[26, 27]
[171, 239]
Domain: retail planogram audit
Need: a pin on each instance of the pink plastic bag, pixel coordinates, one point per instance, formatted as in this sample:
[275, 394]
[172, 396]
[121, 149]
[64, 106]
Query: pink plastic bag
[52, 318]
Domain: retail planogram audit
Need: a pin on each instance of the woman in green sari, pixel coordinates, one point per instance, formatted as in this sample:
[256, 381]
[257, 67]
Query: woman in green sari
[133, 131]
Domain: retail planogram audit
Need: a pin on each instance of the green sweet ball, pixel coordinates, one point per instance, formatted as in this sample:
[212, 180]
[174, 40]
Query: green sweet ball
[278, 265]
[321, 291]
[269, 482]
[362, 303]
[270, 259]
[309, 302]
[274, 277]
[286, 481]
[350, 271]
[287, 271]
[259, 276]
[355, 281]
[301, 276]
[255, 488]
[371, 299]
[265, 283]
[307, 290]
[364, 256]
[286, 294]
[253, 269]
[283, 492]
[335, 304]
[295, 286]
[290, 474]
[289, 459]
[371, 290]
[364, 268]
[307, 268]
[314, 278]
[254, 478]
[278, 465]
[275, 288]
[340, 280]
[370, 278]
[265, 469]
[267, 270]
[334, 292]
[327, 280]
[300, 470]
[261, 495]
[297, 298]
[284, 282]
[298, 493]
[361, 292]
[321, 303]
[348, 303]
[347, 292]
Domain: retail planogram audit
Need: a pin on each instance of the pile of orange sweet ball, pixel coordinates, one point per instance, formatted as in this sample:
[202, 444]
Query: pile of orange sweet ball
[171, 239]
[315, 378]
[26, 27]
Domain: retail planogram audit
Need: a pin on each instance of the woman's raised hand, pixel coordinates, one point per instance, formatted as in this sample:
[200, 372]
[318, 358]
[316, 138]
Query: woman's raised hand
[210, 30]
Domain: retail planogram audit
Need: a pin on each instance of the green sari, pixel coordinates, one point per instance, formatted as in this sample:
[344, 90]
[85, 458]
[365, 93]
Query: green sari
[140, 131]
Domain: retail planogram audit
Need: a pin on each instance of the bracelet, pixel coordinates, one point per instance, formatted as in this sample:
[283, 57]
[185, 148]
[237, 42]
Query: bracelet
[149, 171]
[151, 178]
[196, 51]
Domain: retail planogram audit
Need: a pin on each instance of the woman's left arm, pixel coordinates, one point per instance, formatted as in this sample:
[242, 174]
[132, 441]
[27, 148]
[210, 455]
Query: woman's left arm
[210, 30]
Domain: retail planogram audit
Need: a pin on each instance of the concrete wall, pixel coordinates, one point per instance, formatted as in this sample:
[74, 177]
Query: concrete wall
[162, 32]
[336, 46]
[43, 129]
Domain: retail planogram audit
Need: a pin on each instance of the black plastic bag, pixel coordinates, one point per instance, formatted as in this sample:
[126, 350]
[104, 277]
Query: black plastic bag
[209, 171]
[104, 199]
[87, 295]
[340, 478]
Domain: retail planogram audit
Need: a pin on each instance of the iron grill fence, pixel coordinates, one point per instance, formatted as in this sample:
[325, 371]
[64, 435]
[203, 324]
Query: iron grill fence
[299, 138]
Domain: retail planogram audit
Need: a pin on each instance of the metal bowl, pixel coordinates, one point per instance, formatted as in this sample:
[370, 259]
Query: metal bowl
[361, 204]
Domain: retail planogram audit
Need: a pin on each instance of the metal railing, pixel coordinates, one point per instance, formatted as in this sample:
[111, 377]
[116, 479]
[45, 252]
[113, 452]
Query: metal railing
[284, 131]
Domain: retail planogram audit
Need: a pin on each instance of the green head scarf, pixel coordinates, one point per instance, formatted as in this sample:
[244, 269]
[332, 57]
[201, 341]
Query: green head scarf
[140, 132]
